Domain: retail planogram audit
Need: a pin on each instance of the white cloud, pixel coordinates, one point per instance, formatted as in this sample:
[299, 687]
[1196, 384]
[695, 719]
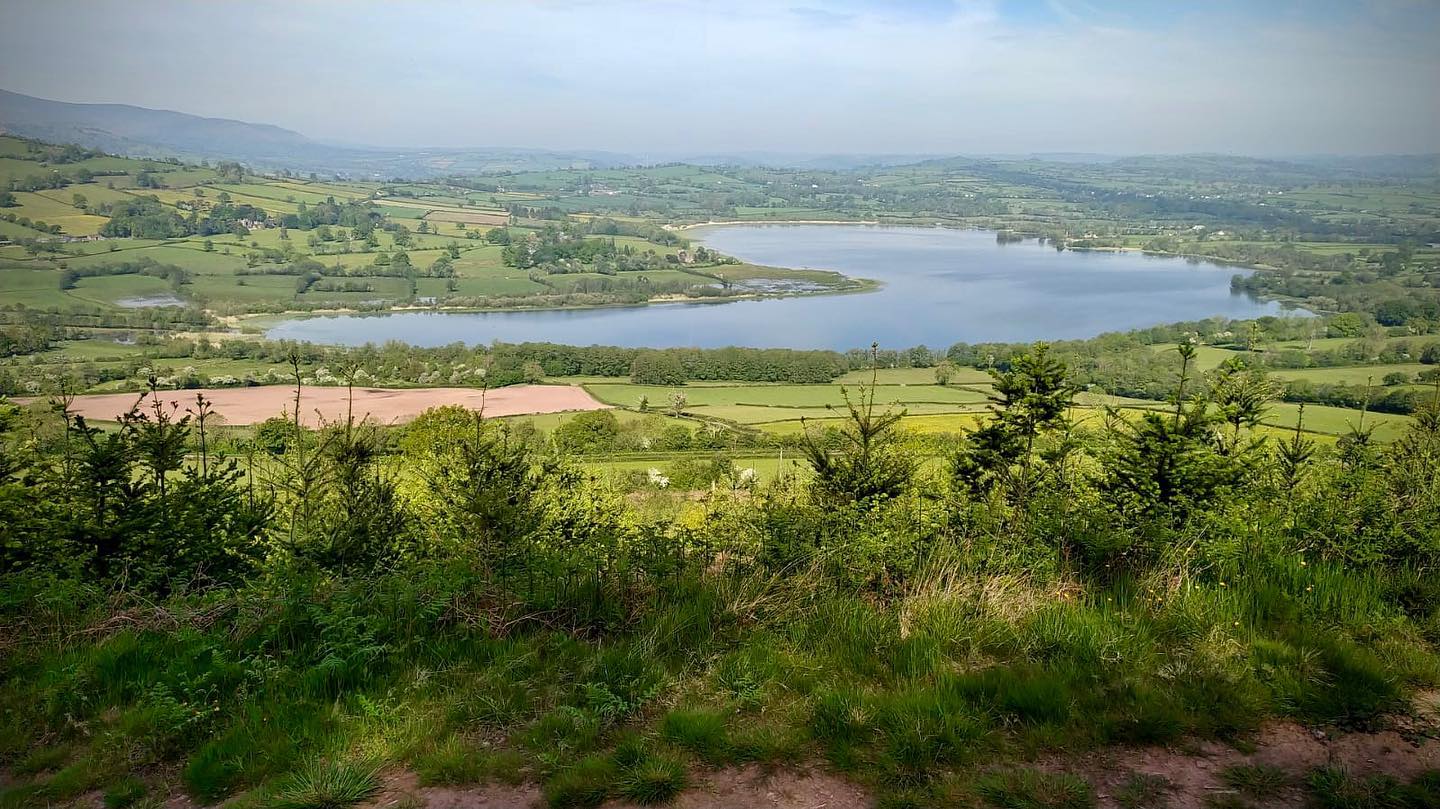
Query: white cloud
[810, 76]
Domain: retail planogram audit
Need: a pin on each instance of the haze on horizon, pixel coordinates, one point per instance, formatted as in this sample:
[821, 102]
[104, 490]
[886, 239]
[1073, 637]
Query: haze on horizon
[1288, 77]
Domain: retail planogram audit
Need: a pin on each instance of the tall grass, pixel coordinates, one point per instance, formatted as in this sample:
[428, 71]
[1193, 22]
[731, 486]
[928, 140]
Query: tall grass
[714, 667]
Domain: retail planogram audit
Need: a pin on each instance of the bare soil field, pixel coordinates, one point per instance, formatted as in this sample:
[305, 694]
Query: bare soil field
[383, 405]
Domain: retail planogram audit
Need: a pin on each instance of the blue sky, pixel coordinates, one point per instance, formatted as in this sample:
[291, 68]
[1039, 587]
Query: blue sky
[807, 76]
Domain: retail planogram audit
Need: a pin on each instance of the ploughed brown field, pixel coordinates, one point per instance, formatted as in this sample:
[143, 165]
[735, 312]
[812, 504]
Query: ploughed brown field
[383, 405]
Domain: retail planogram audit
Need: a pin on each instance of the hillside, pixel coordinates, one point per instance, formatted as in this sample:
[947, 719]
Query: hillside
[143, 132]
[126, 129]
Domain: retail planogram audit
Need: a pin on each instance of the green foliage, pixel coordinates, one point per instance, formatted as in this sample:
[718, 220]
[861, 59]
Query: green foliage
[1031, 397]
[657, 368]
[588, 432]
[125, 504]
[869, 465]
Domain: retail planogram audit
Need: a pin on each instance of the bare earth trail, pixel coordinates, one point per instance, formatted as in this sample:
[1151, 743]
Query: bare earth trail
[383, 405]
[1194, 772]
[1192, 769]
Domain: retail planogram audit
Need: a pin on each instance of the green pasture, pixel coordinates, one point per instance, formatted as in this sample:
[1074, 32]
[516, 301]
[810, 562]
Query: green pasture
[960, 375]
[188, 256]
[106, 290]
[767, 467]
[499, 284]
[1351, 374]
[34, 288]
[1317, 344]
[71, 220]
[1334, 421]
[11, 230]
[243, 289]
[94, 193]
[271, 191]
[781, 395]
[1206, 357]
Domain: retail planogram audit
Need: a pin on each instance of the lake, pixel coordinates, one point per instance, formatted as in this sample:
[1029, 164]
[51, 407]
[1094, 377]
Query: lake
[940, 286]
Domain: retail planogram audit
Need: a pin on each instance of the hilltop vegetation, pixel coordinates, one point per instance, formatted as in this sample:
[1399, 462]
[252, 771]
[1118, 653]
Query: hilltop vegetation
[279, 626]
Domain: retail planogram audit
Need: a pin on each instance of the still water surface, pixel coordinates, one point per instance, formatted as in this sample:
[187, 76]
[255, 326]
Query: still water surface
[941, 286]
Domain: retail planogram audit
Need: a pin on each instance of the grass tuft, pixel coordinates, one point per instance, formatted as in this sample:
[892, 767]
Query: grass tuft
[45, 758]
[655, 780]
[1256, 780]
[453, 761]
[1144, 791]
[586, 783]
[1034, 789]
[326, 784]
[1334, 788]
[700, 731]
[123, 793]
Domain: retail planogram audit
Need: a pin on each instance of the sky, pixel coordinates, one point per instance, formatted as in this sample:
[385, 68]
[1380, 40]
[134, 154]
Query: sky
[695, 77]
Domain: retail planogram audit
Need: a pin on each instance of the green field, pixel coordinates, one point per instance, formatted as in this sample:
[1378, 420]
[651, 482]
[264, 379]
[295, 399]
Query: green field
[1352, 375]
[452, 216]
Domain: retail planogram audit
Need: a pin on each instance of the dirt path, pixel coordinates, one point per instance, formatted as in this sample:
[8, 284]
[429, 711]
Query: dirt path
[1193, 773]
[1196, 774]
[383, 405]
[740, 788]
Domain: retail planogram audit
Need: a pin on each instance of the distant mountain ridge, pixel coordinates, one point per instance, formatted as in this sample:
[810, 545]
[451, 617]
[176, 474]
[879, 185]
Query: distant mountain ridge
[143, 132]
[130, 129]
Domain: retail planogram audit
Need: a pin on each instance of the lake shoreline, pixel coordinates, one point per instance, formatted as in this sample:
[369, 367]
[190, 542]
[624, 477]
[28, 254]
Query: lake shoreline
[860, 286]
[932, 285]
